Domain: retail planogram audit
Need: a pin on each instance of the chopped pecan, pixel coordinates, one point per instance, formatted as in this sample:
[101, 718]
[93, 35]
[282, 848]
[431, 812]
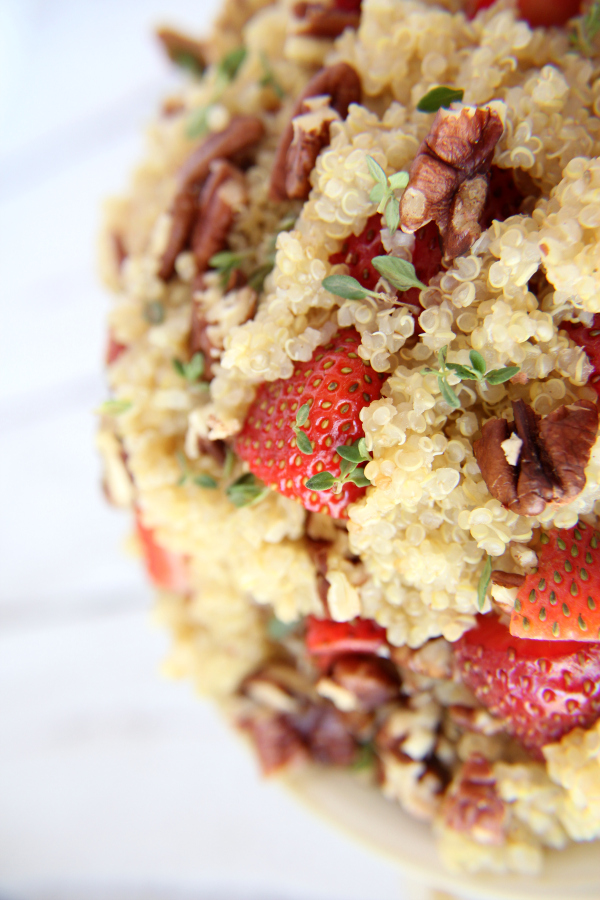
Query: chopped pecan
[449, 176]
[371, 680]
[222, 196]
[326, 734]
[317, 550]
[433, 659]
[241, 134]
[277, 742]
[507, 579]
[199, 340]
[553, 455]
[183, 212]
[472, 804]
[320, 21]
[478, 721]
[180, 46]
[311, 134]
[119, 249]
[216, 449]
[341, 83]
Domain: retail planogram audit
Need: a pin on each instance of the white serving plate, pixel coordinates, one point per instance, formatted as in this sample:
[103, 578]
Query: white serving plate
[365, 815]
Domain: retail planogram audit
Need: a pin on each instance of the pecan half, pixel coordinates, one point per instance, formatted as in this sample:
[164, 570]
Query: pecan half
[371, 680]
[449, 176]
[241, 134]
[178, 46]
[311, 134]
[342, 85]
[320, 21]
[277, 743]
[183, 212]
[223, 194]
[472, 804]
[554, 453]
[318, 550]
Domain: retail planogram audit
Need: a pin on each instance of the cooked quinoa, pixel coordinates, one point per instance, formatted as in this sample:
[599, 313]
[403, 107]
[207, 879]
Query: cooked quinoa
[409, 553]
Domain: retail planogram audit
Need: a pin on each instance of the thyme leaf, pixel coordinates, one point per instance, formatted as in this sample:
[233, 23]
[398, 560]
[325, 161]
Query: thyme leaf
[246, 490]
[439, 97]
[383, 193]
[399, 272]
[484, 581]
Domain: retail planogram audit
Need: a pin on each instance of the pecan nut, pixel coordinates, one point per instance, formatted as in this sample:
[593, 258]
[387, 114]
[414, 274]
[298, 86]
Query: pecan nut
[472, 804]
[240, 135]
[183, 212]
[319, 21]
[180, 46]
[371, 680]
[553, 455]
[222, 196]
[342, 85]
[449, 177]
[311, 134]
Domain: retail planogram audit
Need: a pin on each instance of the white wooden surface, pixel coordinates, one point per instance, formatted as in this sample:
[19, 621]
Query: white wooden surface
[113, 783]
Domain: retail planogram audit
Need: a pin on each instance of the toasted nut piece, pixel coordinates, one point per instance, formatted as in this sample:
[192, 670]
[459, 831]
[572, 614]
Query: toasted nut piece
[320, 21]
[277, 742]
[507, 579]
[342, 85]
[241, 134]
[311, 134]
[178, 45]
[472, 804]
[183, 211]
[222, 196]
[449, 176]
[371, 680]
[554, 453]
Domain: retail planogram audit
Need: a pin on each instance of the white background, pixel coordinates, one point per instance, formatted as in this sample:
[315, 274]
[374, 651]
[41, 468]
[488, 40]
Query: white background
[113, 783]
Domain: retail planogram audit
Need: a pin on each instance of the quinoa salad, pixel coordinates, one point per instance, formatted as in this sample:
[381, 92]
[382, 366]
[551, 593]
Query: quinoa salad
[354, 363]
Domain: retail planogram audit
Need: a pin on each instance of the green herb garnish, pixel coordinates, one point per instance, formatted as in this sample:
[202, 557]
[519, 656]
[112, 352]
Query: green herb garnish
[399, 272]
[347, 287]
[351, 456]
[484, 581]
[365, 758]
[268, 79]
[114, 407]
[205, 481]
[383, 193]
[278, 630]
[226, 71]
[154, 312]
[227, 262]
[186, 60]
[475, 372]
[587, 29]
[439, 97]
[193, 370]
[302, 440]
[246, 490]
[202, 479]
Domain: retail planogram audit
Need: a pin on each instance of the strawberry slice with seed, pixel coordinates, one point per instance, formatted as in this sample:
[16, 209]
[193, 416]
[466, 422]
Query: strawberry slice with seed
[543, 689]
[561, 600]
[326, 637]
[294, 426]
[589, 339]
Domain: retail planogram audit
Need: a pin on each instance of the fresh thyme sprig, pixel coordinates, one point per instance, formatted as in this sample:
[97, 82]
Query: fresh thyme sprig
[303, 441]
[351, 456]
[475, 372]
[383, 193]
[269, 79]
[227, 261]
[114, 407]
[398, 272]
[202, 479]
[484, 582]
[246, 490]
[226, 72]
[587, 28]
[193, 370]
[439, 97]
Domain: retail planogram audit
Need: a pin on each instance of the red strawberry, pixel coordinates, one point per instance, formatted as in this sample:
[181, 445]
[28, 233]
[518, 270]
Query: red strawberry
[358, 251]
[326, 637]
[536, 12]
[166, 569]
[589, 339]
[113, 349]
[336, 384]
[503, 198]
[561, 601]
[543, 689]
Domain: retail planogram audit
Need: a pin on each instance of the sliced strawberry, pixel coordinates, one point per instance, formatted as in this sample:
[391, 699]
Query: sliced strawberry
[543, 689]
[536, 12]
[166, 569]
[589, 339]
[337, 384]
[347, 5]
[561, 601]
[113, 349]
[358, 251]
[326, 637]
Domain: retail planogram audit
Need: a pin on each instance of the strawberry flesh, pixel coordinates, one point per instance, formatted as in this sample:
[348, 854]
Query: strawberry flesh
[337, 384]
[543, 689]
[166, 569]
[324, 636]
[536, 12]
[561, 600]
[504, 198]
[589, 339]
[358, 250]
